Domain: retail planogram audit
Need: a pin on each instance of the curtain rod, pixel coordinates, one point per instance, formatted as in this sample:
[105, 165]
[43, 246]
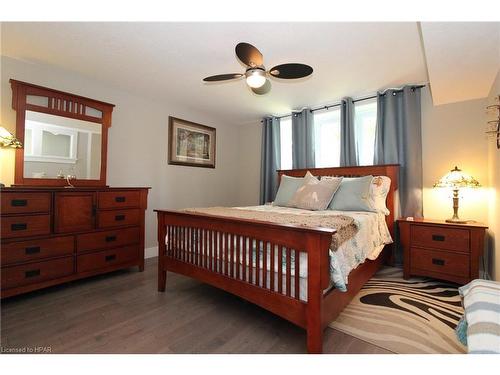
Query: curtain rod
[326, 107]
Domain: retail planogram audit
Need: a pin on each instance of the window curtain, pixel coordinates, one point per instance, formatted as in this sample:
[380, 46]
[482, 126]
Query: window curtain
[348, 152]
[398, 140]
[270, 159]
[303, 139]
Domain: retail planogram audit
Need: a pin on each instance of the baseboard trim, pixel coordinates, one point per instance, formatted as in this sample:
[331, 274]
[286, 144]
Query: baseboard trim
[150, 252]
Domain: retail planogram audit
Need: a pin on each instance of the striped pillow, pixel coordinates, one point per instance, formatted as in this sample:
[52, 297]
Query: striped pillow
[481, 301]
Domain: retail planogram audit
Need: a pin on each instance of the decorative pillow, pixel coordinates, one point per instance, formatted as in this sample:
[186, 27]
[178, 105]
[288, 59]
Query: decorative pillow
[288, 187]
[352, 195]
[315, 195]
[379, 188]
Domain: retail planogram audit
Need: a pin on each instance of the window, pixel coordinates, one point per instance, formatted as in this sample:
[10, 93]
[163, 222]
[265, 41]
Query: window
[327, 138]
[286, 142]
[327, 135]
[365, 123]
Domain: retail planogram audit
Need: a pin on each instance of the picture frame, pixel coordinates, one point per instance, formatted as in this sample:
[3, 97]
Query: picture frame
[191, 144]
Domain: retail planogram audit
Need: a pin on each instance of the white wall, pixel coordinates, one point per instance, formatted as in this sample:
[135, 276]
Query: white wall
[137, 149]
[250, 138]
[494, 174]
[452, 134]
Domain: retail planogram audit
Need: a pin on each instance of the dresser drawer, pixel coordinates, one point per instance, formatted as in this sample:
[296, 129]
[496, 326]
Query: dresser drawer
[107, 239]
[106, 258]
[118, 218]
[119, 199]
[36, 272]
[440, 238]
[24, 251]
[439, 261]
[25, 226]
[22, 203]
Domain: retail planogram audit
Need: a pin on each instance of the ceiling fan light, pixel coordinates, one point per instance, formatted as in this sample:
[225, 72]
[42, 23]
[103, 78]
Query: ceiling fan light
[256, 78]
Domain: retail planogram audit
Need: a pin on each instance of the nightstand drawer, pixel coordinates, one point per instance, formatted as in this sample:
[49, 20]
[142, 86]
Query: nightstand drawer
[454, 239]
[439, 261]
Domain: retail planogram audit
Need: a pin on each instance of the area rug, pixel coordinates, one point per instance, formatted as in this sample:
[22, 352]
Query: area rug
[412, 316]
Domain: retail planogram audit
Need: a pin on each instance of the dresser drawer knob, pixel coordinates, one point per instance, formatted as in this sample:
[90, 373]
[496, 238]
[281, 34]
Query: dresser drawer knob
[438, 237]
[120, 199]
[32, 250]
[120, 217]
[110, 258]
[110, 238]
[438, 262]
[32, 273]
[18, 202]
[19, 226]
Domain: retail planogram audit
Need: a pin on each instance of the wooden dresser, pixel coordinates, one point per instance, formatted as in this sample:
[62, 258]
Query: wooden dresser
[51, 235]
[442, 250]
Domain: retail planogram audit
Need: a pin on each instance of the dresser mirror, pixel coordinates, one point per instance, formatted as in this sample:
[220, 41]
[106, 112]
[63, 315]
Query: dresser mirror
[56, 146]
[64, 137]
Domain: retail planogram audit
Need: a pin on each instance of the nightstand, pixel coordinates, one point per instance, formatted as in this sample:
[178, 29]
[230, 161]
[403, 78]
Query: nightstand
[441, 250]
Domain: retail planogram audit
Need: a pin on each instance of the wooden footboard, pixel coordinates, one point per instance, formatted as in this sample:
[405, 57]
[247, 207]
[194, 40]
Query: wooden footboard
[258, 261]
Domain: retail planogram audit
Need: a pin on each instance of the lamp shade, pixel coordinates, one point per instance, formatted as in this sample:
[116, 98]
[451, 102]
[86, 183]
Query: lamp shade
[8, 140]
[457, 179]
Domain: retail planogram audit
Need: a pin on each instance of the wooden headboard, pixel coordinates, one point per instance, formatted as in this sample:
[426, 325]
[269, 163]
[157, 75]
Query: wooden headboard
[389, 170]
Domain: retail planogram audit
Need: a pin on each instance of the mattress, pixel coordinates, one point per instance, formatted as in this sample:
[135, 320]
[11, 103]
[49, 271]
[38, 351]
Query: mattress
[367, 243]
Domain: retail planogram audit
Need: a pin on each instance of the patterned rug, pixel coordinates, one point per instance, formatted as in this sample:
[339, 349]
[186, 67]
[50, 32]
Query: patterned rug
[412, 316]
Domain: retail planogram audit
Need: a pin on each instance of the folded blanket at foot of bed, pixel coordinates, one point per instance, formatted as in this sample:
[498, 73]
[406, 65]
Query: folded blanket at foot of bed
[479, 328]
[344, 225]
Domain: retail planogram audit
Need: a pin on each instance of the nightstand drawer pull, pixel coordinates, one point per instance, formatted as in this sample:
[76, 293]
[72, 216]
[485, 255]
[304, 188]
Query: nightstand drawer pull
[19, 226]
[120, 217]
[438, 237]
[438, 262]
[18, 202]
[110, 258]
[110, 238]
[32, 273]
[32, 250]
[120, 199]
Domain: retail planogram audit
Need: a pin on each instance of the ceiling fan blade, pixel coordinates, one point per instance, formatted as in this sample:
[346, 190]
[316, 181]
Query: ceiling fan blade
[248, 54]
[291, 71]
[264, 89]
[223, 77]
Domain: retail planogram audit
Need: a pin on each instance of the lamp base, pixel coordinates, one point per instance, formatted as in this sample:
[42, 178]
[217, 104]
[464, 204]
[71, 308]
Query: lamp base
[457, 221]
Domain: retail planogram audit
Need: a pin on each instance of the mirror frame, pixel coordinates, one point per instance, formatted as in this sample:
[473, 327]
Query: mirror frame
[59, 104]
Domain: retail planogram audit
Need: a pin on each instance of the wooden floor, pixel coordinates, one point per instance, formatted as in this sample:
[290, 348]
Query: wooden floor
[123, 313]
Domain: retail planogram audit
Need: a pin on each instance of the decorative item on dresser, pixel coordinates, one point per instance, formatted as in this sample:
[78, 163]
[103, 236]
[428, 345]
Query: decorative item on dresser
[53, 235]
[443, 250]
[58, 227]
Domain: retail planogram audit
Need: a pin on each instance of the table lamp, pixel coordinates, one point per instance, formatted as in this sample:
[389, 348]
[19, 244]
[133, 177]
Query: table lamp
[456, 179]
[7, 140]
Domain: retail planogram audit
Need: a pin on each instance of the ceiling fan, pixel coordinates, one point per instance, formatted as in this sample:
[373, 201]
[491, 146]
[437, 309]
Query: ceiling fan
[256, 74]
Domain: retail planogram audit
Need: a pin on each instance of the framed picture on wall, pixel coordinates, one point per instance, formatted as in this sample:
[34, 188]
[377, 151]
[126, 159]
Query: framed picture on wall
[190, 144]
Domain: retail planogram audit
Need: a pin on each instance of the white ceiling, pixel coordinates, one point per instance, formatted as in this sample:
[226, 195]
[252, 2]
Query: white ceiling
[169, 60]
[462, 59]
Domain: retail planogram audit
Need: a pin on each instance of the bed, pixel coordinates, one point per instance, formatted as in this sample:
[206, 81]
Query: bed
[284, 268]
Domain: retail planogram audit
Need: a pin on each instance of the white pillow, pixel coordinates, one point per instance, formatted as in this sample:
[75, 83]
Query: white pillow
[379, 188]
[314, 194]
